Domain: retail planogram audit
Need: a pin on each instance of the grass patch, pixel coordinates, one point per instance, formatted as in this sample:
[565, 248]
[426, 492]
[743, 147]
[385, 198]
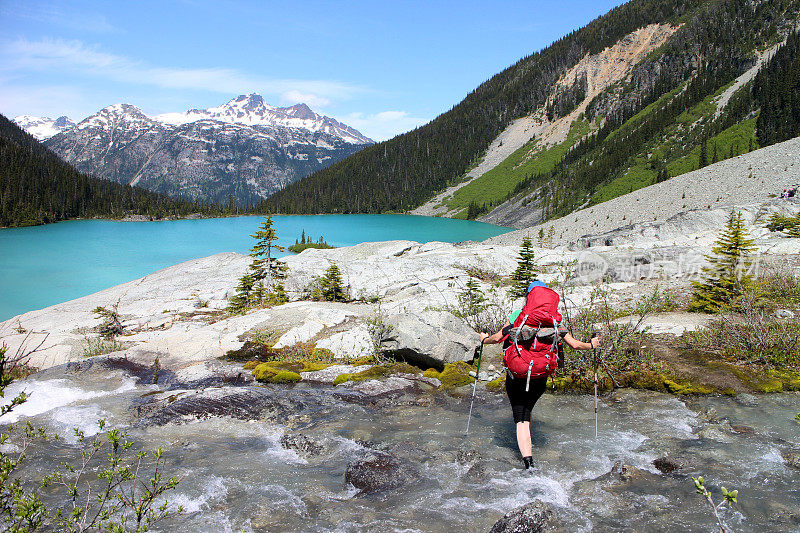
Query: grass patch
[495, 185]
[636, 177]
[101, 346]
[732, 141]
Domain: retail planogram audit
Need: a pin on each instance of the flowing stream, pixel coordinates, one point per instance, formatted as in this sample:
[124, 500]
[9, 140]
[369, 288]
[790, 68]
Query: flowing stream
[275, 458]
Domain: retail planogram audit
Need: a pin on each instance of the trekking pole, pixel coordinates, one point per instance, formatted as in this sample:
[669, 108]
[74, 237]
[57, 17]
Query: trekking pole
[594, 335]
[474, 386]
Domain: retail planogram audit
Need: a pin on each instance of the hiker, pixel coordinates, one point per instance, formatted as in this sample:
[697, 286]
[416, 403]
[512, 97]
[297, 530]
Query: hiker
[523, 387]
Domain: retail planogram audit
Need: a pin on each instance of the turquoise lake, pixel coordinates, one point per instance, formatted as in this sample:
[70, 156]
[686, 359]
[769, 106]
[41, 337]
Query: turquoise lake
[44, 265]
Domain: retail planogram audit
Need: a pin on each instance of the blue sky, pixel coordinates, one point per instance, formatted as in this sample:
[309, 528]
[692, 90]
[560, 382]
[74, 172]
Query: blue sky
[382, 67]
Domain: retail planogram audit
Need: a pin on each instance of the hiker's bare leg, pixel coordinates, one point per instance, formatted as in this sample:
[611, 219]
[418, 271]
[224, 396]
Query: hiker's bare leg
[524, 438]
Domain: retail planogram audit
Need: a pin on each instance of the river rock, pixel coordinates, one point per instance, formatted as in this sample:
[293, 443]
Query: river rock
[718, 433]
[430, 338]
[244, 403]
[792, 459]
[747, 400]
[627, 473]
[534, 517]
[378, 472]
[667, 465]
[379, 388]
[301, 443]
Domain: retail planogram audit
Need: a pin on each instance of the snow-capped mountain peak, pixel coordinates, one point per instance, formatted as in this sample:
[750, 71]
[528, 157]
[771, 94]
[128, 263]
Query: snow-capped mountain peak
[44, 127]
[244, 148]
[252, 110]
[300, 111]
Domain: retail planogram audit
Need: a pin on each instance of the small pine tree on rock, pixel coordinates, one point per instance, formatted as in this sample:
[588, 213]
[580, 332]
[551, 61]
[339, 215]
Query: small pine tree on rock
[331, 286]
[243, 299]
[472, 298]
[263, 282]
[727, 277]
[526, 270]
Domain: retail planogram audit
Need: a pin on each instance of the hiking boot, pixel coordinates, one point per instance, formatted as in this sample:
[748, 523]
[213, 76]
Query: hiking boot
[528, 462]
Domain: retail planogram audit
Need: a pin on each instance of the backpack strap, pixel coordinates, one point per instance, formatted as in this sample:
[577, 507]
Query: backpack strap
[528, 379]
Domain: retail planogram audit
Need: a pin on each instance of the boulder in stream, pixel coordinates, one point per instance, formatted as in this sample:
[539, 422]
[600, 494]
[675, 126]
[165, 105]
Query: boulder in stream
[667, 465]
[378, 472]
[533, 517]
[301, 444]
[792, 459]
[429, 339]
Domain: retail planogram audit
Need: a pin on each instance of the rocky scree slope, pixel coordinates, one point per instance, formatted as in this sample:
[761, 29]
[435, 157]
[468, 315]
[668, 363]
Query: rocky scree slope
[242, 151]
[751, 178]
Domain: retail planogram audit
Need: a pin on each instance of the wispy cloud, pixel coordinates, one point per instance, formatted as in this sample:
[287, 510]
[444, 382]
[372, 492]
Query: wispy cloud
[296, 97]
[57, 16]
[50, 101]
[76, 57]
[383, 125]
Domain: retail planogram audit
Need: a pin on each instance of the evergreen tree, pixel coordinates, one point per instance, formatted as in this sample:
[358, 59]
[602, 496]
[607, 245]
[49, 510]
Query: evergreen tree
[331, 285]
[526, 270]
[263, 283]
[726, 278]
[243, 299]
[703, 154]
[265, 268]
[472, 298]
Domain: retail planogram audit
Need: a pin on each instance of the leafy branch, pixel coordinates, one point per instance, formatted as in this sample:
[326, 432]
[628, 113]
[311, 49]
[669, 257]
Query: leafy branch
[728, 498]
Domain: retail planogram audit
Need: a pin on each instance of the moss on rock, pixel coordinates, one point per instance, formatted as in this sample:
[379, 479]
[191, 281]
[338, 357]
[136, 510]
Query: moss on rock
[365, 360]
[377, 372]
[263, 372]
[275, 372]
[431, 373]
[313, 366]
[250, 365]
[285, 376]
[497, 385]
[686, 388]
[455, 375]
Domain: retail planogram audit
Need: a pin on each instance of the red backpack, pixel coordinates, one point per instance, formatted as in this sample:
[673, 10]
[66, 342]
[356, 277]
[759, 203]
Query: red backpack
[533, 352]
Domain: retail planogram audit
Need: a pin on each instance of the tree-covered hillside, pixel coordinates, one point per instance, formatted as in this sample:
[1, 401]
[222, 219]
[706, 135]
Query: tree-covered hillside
[659, 122]
[402, 172]
[36, 187]
[777, 94]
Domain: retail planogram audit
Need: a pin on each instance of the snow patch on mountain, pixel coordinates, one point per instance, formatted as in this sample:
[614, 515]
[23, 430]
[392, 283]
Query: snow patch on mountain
[44, 127]
[252, 110]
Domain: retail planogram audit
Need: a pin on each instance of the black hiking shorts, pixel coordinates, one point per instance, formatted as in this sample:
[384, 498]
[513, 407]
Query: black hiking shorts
[522, 402]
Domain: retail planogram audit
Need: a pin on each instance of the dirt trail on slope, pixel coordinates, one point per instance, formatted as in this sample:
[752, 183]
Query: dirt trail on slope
[601, 70]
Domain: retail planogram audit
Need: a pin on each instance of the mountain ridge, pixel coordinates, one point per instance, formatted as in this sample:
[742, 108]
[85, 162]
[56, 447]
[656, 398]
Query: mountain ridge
[648, 126]
[237, 153]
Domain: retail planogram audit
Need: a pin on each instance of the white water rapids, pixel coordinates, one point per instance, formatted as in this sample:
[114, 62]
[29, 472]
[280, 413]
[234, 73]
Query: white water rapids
[239, 476]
